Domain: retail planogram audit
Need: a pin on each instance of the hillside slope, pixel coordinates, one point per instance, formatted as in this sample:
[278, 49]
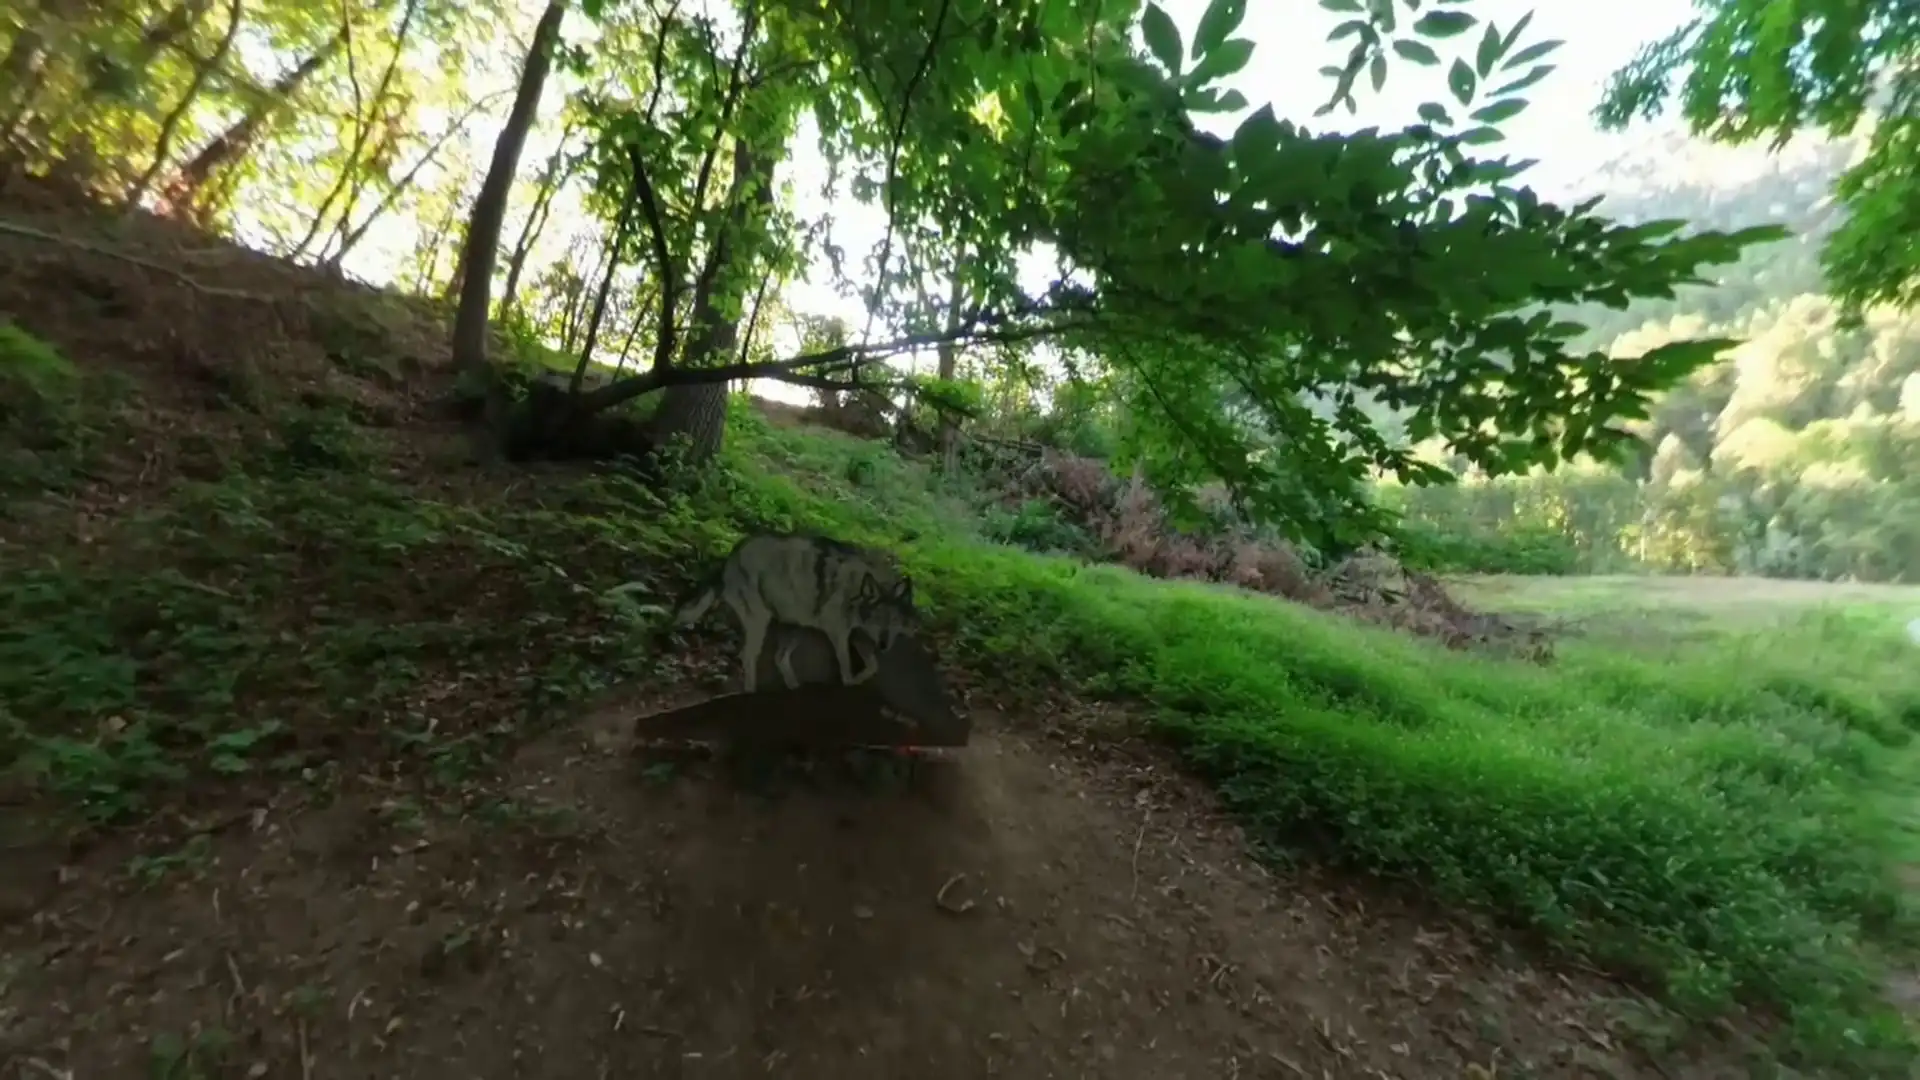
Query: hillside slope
[314, 683]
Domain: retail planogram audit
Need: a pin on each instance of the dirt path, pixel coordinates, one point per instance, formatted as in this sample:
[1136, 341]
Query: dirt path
[597, 920]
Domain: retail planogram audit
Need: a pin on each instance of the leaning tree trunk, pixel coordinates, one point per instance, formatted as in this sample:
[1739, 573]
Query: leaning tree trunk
[185, 193]
[170, 127]
[490, 206]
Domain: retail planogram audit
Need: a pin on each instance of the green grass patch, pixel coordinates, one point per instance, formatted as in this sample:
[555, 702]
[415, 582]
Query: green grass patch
[50, 417]
[305, 612]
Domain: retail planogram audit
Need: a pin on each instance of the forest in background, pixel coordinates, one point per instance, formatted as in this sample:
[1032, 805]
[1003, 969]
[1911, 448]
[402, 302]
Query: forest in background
[1797, 455]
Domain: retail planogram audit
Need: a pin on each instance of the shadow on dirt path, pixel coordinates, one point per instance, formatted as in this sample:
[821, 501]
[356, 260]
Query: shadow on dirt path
[1025, 911]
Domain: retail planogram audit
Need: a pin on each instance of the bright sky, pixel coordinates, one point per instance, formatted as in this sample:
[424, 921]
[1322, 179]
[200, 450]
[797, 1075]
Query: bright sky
[1291, 46]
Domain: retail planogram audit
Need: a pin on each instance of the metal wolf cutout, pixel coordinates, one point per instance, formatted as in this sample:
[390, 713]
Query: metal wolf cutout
[807, 605]
[797, 580]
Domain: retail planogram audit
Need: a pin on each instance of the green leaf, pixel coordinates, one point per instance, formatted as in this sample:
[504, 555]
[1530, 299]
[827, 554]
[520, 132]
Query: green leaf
[1436, 114]
[1525, 81]
[1417, 51]
[1349, 29]
[1229, 57]
[1377, 70]
[1462, 81]
[1757, 234]
[1443, 24]
[1199, 99]
[1341, 5]
[1531, 53]
[1519, 28]
[1481, 136]
[1492, 46]
[1492, 172]
[1231, 101]
[1163, 38]
[1222, 18]
[1256, 139]
[1500, 111]
[1677, 359]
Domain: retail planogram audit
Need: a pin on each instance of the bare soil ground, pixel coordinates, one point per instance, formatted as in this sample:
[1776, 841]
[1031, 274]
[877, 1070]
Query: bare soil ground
[1035, 909]
[1058, 902]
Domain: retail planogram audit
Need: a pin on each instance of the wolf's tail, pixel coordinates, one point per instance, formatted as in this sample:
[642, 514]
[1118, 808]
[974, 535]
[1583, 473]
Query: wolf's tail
[695, 606]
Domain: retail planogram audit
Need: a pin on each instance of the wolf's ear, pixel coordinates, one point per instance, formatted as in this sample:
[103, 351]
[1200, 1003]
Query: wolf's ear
[904, 590]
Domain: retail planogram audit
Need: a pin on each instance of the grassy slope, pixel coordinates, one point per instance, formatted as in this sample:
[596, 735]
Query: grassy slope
[1720, 814]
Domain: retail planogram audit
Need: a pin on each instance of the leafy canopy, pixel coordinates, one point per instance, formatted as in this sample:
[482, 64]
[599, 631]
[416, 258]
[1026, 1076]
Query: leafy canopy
[1241, 294]
[1745, 69]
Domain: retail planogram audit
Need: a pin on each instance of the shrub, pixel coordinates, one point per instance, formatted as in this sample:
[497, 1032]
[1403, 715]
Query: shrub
[1038, 525]
[1523, 549]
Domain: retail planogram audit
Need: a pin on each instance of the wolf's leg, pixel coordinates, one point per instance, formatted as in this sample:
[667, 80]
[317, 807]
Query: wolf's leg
[871, 655]
[783, 659]
[753, 627]
[843, 655]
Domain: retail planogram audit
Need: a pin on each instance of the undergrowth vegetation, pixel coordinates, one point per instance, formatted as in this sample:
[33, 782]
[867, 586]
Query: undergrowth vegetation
[1719, 816]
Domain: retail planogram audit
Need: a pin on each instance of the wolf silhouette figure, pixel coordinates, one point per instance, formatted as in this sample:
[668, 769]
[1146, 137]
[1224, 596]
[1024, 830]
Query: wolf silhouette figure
[849, 593]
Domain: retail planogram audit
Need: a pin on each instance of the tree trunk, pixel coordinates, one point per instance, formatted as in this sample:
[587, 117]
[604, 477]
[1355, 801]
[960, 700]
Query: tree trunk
[551, 179]
[185, 192]
[52, 28]
[699, 413]
[621, 230]
[574, 298]
[349, 238]
[21, 78]
[490, 206]
[161, 33]
[374, 114]
[163, 146]
[20, 71]
[949, 356]
[428, 253]
[24, 54]
[457, 280]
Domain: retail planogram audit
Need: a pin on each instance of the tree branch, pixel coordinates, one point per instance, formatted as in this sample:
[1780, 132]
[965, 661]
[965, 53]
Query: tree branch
[814, 369]
[898, 138]
[663, 339]
[352, 237]
[735, 84]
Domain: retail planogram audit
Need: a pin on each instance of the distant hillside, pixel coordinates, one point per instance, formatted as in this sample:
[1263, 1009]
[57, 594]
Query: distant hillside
[1722, 187]
[1795, 455]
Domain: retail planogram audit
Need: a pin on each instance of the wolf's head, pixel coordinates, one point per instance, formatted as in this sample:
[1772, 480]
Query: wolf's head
[887, 610]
